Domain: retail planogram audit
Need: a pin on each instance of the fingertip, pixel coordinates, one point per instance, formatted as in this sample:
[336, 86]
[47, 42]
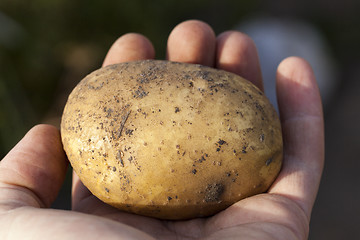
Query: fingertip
[195, 26]
[290, 65]
[47, 130]
[192, 41]
[130, 47]
[297, 89]
[296, 69]
[45, 139]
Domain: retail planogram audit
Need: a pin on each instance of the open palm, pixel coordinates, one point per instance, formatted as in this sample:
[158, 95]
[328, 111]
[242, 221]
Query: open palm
[33, 172]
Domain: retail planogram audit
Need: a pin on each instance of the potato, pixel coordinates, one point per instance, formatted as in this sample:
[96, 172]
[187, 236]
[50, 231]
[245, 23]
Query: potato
[171, 140]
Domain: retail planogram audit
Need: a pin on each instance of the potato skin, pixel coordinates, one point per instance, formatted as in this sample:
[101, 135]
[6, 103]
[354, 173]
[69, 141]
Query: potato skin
[171, 140]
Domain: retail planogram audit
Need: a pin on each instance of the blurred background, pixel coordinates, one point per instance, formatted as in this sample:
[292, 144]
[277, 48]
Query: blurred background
[47, 47]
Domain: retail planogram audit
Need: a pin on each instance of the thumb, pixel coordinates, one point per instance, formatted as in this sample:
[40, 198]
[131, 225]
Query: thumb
[32, 173]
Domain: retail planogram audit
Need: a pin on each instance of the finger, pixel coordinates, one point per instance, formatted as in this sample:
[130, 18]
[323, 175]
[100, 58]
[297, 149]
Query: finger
[236, 53]
[83, 200]
[79, 191]
[303, 133]
[192, 41]
[34, 170]
[129, 47]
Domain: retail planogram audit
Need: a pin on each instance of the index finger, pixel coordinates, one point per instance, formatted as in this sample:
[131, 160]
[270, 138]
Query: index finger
[303, 133]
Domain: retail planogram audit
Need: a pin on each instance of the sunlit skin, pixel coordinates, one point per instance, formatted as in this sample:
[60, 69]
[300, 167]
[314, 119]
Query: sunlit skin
[34, 170]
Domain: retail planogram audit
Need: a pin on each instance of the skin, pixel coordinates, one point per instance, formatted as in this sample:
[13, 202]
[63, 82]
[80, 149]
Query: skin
[33, 171]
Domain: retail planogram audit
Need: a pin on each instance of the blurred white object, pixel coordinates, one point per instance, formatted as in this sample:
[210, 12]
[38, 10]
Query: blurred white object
[277, 38]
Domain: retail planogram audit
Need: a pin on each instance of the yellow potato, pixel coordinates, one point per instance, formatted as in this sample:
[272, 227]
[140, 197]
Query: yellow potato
[171, 140]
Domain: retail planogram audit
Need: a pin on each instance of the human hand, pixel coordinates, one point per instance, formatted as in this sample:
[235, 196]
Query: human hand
[34, 170]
